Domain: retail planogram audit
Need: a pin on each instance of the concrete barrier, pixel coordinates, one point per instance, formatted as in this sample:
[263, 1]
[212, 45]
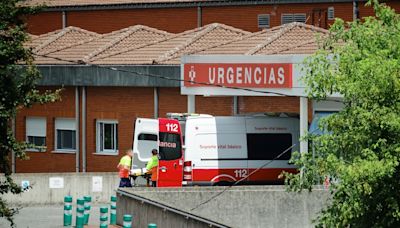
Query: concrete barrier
[242, 206]
[50, 188]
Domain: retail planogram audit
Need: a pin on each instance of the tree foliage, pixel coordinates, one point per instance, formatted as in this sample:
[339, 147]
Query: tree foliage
[18, 78]
[361, 61]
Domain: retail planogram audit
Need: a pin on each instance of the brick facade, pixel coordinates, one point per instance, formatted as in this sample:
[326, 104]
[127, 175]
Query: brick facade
[171, 100]
[170, 19]
[47, 161]
[124, 105]
[44, 22]
[246, 17]
[104, 21]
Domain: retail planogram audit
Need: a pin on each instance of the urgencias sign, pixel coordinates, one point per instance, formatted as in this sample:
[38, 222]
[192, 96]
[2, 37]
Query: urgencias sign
[244, 75]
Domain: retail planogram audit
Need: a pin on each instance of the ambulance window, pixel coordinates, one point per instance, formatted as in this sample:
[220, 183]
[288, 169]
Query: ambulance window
[268, 146]
[148, 137]
[170, 146]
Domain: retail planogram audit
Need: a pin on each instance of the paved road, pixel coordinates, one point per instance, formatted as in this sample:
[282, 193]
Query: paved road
[47, 216]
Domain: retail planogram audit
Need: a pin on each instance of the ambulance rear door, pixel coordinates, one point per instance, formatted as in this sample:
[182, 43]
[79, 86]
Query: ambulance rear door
[170, 165]
[145, 139]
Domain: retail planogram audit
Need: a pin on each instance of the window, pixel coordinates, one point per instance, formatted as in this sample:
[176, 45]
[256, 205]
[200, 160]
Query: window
[263, 21]
[314, 126]
[147, 137]
[331, 13]
[170, 146]
[146, 142]
[65, 134]
[107, 136]
[268, 146]
[297, 17]
[36, 131]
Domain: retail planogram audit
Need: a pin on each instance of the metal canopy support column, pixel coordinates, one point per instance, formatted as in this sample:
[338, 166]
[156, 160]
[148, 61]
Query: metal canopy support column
[84, 129]
[191, 104]
[156, 102]
[77, 128]
[303, 123]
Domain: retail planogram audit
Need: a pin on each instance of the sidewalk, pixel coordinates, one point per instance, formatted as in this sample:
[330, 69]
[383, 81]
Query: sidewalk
[49, 216]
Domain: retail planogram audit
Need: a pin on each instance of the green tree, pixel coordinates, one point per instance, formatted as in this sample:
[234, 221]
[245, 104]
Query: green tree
[17, 90]
[361, 153]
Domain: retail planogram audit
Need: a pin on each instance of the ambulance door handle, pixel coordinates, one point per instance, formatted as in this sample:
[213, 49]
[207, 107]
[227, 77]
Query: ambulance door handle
[163, 169]
[175, 165]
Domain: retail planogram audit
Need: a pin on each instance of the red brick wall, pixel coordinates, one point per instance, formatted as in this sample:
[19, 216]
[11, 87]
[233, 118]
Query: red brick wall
[171, 100]
[245, 17]
[103, 21]
[181, 19]
[217, 106]
[272, 104]
[44, 22]
[369, 11]
[115, 103]
[47, 161]
[178, 19]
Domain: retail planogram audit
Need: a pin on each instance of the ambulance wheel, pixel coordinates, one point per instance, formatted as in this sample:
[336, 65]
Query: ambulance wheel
[223, 183]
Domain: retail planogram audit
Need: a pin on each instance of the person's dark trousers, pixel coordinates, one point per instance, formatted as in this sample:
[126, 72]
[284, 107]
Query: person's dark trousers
[125, 182]
[153, 183]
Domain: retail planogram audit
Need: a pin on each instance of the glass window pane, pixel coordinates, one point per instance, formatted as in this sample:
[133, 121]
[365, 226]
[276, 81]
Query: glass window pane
[148, 137]
[108, 136]
[170, 146]
[37, 140]
[66, 139]
[268, 146]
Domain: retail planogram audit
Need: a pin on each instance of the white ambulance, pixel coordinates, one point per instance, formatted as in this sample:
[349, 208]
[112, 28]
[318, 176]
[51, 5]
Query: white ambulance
[219, 150]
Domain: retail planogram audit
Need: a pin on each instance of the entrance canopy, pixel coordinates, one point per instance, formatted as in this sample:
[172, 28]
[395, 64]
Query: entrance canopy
[241, 75]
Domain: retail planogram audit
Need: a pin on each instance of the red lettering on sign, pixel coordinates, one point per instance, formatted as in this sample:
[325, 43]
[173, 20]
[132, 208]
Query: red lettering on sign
[167, 144]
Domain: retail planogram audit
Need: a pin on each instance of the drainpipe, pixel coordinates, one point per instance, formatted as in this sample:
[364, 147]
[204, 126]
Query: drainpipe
[199, 16]
[64, 19]
[155, 102]
[77, 128]
[84, 129]
[235, 105]
[355, 10]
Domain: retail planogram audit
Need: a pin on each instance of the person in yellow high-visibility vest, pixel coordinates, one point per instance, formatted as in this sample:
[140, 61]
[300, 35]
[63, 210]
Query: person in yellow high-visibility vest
[152, 166]
[124, 167]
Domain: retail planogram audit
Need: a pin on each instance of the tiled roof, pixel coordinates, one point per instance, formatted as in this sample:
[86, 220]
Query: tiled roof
[170, 50]
[289, 35]
[272, 41]
[102, 45]
[144, 45]
[54, 42]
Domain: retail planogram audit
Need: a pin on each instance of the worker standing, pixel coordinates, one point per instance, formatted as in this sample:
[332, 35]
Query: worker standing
[124, 167]
[152, 166]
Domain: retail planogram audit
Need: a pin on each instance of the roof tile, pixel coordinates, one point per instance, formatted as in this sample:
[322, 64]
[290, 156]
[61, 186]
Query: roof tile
[65, 38]
[143, 45]
[103, 45]
[167, 50]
